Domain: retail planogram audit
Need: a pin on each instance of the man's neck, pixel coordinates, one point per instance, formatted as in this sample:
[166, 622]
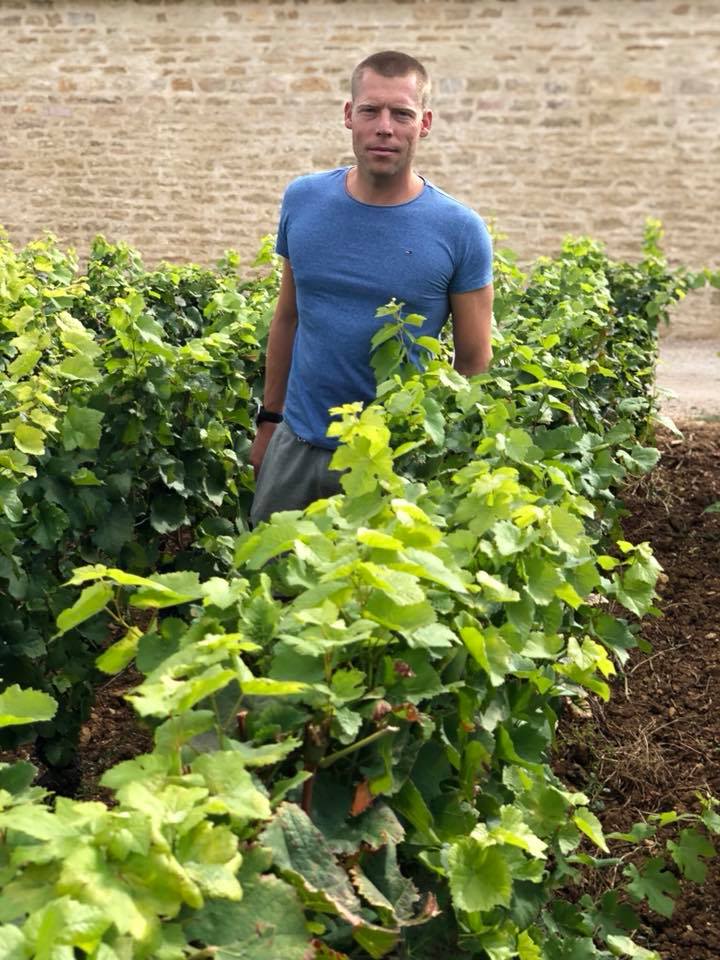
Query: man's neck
[383, 191]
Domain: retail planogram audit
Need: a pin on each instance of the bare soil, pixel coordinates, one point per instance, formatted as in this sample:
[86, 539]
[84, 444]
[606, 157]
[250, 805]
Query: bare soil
[656, 745]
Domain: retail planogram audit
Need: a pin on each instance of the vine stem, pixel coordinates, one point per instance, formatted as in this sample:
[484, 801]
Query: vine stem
[307, 794]
[358, 745]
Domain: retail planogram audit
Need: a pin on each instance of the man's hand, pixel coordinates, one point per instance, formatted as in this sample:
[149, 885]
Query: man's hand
[260, 445]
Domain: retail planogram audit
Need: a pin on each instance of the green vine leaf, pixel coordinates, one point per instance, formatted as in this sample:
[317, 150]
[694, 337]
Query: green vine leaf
[691, 849]
[81, 428]
[653, 883]
[29, 439]
[92, 600]
[25, 706]
[480, 877]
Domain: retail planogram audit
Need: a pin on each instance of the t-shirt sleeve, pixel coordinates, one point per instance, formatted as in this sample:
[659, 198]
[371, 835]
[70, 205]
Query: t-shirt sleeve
[474, 265]
[281, 243]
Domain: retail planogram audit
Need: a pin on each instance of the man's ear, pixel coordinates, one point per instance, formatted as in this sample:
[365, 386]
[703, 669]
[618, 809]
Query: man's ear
[426, 123]
[348, 115]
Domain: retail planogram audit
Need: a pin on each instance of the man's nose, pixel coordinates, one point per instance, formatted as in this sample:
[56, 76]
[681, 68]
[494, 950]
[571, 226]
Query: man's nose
[384, 124]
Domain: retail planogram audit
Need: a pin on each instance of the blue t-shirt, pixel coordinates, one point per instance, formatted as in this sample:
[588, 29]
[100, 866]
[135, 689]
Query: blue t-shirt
[348, 258]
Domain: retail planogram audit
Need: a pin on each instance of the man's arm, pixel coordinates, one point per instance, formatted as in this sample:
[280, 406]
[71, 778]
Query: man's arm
[281, 337]
[471, 325]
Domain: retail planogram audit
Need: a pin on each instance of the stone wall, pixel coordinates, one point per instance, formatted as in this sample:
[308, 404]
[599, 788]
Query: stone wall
[175, 124]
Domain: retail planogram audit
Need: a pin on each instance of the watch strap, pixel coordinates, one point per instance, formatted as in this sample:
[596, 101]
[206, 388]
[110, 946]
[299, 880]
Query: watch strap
[268, 416]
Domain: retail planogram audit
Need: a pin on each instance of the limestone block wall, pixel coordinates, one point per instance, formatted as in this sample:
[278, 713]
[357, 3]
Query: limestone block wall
[175, 124]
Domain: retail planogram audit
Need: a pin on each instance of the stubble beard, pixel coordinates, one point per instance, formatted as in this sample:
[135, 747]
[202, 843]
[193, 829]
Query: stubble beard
[380, 172]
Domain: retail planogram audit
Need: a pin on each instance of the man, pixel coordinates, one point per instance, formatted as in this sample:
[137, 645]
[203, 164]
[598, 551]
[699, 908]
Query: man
[353, 239]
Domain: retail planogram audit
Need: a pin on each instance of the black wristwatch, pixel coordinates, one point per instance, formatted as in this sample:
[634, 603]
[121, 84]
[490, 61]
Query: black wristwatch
[267, 416]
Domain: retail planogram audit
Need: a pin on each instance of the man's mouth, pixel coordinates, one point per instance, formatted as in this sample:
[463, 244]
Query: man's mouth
[382, 150]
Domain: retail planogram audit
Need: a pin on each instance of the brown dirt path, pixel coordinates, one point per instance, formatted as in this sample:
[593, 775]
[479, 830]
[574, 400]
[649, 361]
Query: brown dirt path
[669, 730]
[656, 745]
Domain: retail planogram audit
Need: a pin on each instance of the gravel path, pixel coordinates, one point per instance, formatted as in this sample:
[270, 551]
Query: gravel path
[690, 369]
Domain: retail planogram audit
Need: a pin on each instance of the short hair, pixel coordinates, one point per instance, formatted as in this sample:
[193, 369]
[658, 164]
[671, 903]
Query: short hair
[393, 63]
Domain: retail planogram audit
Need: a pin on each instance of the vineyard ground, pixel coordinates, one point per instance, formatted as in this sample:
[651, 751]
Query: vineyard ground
[657, 743]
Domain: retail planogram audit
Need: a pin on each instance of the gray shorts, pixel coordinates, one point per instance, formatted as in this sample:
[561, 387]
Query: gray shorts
[292, 475]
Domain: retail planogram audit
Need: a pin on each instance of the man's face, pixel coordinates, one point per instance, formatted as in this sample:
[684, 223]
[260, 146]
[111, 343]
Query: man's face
[387, 120]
